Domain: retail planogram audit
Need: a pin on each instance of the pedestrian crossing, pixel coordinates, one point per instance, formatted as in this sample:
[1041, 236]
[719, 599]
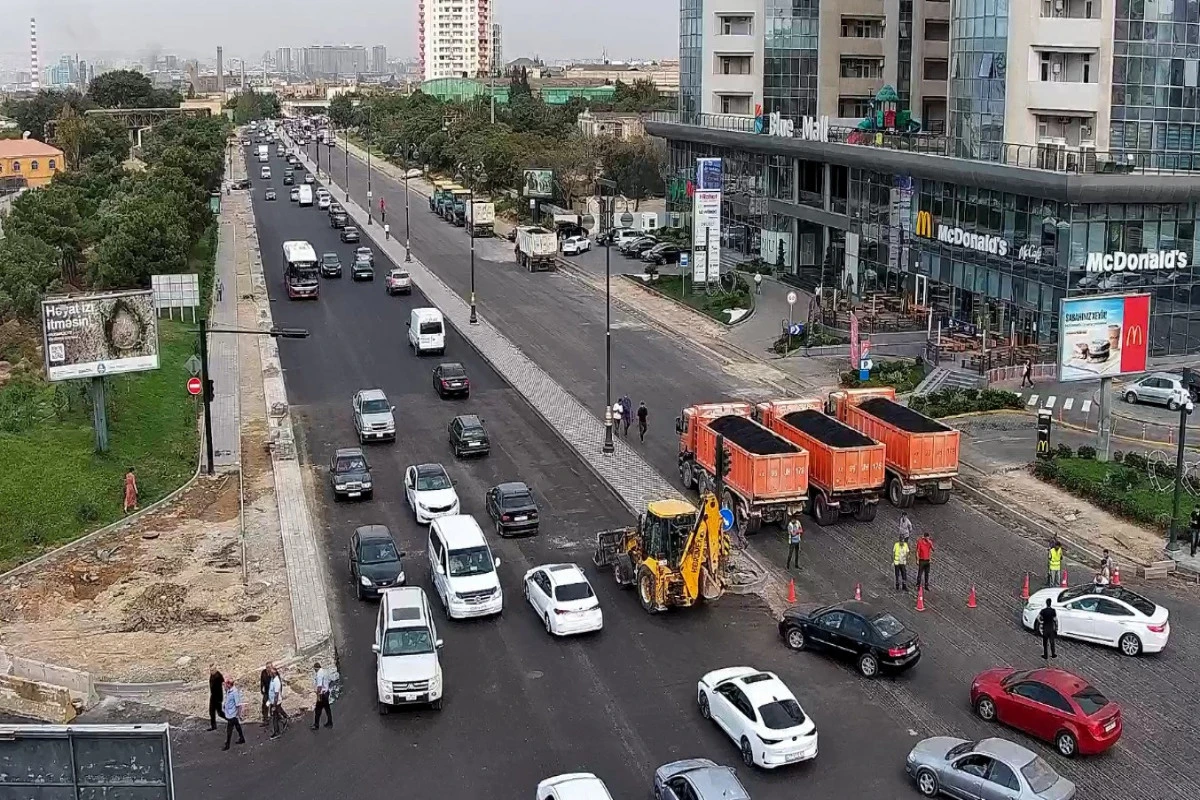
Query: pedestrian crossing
[1070, 409]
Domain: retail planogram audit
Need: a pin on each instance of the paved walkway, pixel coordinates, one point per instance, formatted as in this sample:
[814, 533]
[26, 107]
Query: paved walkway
[223, 355]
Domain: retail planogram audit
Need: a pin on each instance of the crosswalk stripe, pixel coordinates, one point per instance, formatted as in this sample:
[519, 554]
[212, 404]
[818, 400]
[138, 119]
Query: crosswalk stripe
[1086, 407]
[1068, 404]
[1033, 398]
[1050, 401]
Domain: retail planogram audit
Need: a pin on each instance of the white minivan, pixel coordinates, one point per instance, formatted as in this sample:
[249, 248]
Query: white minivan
[407, 669]
[463, 569]
[427, 331]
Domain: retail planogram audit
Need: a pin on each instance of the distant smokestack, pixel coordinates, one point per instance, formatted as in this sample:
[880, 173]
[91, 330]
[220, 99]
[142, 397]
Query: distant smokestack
[35, 72]
[243, 88]
[220, 70]
[83, 80]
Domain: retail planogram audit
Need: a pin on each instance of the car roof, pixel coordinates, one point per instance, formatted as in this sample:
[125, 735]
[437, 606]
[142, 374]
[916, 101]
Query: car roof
[1010, 753]
[398, 270]
[714, 781]
[576, 786]
[762, 687]
[564, 573]
[1066, 682]
[469, 421]
[405, 604]
[431, 469]
[342, 452]
[373, 533]
[460, 530]
[372, 394]
[446, 365]
[512, 487]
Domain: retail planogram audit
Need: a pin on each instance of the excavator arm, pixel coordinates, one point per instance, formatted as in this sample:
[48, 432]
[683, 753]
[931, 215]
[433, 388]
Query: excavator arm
[702, 567]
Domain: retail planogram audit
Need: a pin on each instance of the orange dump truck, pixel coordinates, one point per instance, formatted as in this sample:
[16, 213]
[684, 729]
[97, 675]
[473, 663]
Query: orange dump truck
[767, 478]
[845, 467]
[922, 453]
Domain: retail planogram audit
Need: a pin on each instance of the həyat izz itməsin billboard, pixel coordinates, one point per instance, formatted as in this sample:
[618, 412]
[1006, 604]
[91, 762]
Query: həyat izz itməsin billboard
[89, 336]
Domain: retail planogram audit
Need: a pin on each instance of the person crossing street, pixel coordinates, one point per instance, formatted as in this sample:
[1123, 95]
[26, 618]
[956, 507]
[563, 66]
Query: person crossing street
[900, 560]
[231, 710]
[321, 685]
[794, 532]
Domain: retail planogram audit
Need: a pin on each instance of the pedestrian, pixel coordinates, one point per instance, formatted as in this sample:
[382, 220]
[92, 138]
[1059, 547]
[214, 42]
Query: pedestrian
[1048, 622]
[1104, 576]
[216, 688]
[232, 712]
[321, 684]
[264, 688]
[794, 532]
[924, 555]
[643, 414]
[905, 526]
[131, 491]
[626, 413]
[900, 561]
[1054, 564]
[1027, 374]
[758, 283]
[220, 289]
[274, 702]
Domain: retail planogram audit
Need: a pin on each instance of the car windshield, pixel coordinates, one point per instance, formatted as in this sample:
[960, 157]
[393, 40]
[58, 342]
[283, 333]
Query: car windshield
[351, 464]
[433, 481]
[377, 553]
[782, 714]
[1015, 677]
[407, 642]
[471, 561]
[887, 625]
[453, 371]
[1039, 775]
[380, 406]
[349, 231]
[517, 500]
[398, 275]
[573, 591]
[1090, 700]
[329, 258]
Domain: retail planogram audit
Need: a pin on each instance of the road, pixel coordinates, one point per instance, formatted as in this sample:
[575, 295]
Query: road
[559, 324]
[519, 706]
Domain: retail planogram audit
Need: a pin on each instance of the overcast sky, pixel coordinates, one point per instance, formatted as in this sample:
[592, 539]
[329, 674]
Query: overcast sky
[553, 29]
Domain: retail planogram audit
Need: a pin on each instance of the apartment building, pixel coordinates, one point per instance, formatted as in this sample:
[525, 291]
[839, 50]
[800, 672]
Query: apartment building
[334, 60]
[454, 38]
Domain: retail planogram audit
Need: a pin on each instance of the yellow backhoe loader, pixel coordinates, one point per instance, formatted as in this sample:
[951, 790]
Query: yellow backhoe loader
[676, 555]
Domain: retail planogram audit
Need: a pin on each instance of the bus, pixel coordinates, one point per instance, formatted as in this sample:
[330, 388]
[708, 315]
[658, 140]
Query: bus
[300, 274]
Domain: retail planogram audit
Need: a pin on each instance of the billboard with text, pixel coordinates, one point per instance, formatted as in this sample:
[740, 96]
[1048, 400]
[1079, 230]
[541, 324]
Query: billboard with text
[539, 183]
[1102, 337]
[89, 336]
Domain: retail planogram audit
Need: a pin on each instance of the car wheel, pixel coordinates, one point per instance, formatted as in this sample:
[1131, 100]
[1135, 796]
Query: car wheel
[705, 710]
[985, 707]
[747, 752]
[549, 626]
[1130, 397]
[436, 705]
[927, 782]
[1066, 745]
[794, 639]
[384, 709]
[1172, 405]
[868, 665]
[1130, 645]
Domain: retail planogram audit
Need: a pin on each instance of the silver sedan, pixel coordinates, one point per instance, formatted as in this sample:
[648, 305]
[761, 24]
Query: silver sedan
[991, 769]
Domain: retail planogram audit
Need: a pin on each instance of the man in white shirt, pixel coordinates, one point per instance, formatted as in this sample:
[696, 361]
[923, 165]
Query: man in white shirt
[275, 701]
[321, 684]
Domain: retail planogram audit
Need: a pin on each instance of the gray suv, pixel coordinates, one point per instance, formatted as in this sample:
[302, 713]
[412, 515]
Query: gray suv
[373, 416]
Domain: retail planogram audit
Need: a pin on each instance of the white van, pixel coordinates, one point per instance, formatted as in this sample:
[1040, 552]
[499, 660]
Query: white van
[427, 331]
[306, 195]
[463, 569]
[407, 669]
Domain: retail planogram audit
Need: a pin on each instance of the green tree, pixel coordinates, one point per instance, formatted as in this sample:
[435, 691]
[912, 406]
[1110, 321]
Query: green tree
[122, 88]
[637, 167]
[249, 106]
[342, 111]
[51, 214]
[29, 268]
[144, 237]
[33, 113]
[641, 95]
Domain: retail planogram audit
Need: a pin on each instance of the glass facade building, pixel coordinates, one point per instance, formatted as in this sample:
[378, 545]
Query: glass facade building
[978, 65]
[691, 54]
[790, 56]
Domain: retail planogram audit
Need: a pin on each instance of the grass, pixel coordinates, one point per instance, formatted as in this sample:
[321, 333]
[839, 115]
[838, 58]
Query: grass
[1125, 489]
[673, 286]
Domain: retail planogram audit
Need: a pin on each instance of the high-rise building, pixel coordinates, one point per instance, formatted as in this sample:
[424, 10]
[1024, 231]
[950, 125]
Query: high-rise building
[34, 70]
[379, 59]
[334, 61]
[454, 38]
[285, 59]
[497, 48]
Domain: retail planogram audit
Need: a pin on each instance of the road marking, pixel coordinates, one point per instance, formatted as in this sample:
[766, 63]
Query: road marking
[1068, 404]
[1086, 407]
[1033, 398]
[1050, 401]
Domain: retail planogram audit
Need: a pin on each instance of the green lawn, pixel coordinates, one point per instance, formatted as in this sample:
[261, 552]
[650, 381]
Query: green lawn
[714, 305]
[54, 487]
[1125, 490]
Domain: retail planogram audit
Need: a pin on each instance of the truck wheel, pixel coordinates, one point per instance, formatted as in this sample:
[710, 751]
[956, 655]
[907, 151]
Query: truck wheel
[866, 512]
[823, 513]
[752, 524]
[939, 497]
[896, 495]
[647, 590]
[686, 476]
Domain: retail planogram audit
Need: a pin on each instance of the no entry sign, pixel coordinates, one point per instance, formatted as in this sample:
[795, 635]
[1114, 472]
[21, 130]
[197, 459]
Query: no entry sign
[193, 386]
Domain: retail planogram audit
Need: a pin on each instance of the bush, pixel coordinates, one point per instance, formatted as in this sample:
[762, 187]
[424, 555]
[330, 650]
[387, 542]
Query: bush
[951, 402]
[1119, 489]
[1136, 461]
[1118, 456]
[903, 375]
[1064, 451]
[1086, 451]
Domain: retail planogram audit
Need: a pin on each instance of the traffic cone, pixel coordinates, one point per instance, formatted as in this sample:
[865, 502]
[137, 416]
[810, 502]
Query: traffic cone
[971, 598]
[858, 591]
[1064, 583]
[920, 598]
[1116, 576]
[792, 590]
[1025, 588]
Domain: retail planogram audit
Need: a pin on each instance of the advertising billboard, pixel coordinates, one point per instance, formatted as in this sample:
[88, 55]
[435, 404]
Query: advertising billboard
[1102, 337]
[539, 183]
[100, 334]
[706, 217]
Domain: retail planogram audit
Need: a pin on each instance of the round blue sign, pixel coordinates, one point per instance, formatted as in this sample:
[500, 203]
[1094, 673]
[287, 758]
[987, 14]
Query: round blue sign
[726, 519]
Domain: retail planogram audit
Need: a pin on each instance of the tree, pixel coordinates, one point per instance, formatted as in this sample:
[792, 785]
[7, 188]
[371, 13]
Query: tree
[518, 84]
[122, 88]
[249, 106]
[342, 111]
[641, 95]
[33, 114]
[28, 269]
[145, 237]
[636, 166]
[51, 214]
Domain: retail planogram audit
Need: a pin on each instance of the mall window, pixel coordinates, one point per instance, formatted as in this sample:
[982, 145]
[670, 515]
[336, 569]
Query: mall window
[736, 26]
[735, 103]
[862, 67]
[862, 28]
[854, 107]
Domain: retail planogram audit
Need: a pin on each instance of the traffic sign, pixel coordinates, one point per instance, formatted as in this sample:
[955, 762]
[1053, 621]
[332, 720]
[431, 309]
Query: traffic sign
[194, 386]
[726, 520]
[791, 298]
[684, 258]
[588, 222]
[796, 329]
[626, 220]
[193, 365]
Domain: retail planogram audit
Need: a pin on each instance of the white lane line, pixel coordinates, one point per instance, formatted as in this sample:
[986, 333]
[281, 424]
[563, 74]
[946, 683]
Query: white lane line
[1068, 404]
[1050, 401]
[1086, 407]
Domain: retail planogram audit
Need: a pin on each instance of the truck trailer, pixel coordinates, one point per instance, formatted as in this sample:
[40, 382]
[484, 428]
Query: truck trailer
[767, 479]
[481, 218]
[536, 248]
[921, 453]
[846, 467]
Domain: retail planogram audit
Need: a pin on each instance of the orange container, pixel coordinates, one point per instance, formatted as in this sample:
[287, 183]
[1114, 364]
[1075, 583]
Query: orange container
[841, 459]
[918, 447]
[764, 467]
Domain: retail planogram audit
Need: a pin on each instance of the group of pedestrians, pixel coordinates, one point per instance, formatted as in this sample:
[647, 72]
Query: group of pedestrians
[623, 413]
[902, 550]
[225, 701]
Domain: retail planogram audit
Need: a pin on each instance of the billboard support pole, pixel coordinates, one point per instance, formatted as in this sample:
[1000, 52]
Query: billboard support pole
[206, 393]
[99, 414]
[1105, 425]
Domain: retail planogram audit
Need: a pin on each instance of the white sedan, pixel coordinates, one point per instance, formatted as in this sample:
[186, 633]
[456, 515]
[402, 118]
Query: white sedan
[430, 492]
[758, 712]
[563, 598]
[573, 786]
[1109, 615]
[575, 245]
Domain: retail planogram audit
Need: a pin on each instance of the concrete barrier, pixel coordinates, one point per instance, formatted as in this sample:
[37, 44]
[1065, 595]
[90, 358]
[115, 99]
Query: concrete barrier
[77, 682]
[35, 700]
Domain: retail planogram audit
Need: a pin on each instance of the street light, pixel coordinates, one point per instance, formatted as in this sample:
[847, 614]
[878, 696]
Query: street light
[1185, 409]
[412, 149]
[206, 386]
[369, 211]
[346, 149]
[602, 184]
[473, 175]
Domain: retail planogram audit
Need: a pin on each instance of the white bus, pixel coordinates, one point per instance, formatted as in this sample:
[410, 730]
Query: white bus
[300, 274]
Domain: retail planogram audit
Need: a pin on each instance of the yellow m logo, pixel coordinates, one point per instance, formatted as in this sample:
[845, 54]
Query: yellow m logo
[924, 224]
[1135, 336]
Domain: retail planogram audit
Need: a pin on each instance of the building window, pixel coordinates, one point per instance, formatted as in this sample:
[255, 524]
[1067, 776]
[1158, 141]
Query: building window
[735, 103]
[736, 26]
[936, 69]
[862, 28]
[33, 166]
[854, 107]
[16, 166]
[937, 30]
[733, 65]
[862, 67]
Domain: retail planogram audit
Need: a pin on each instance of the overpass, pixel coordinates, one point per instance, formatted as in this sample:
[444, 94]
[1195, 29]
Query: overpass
[292, 108]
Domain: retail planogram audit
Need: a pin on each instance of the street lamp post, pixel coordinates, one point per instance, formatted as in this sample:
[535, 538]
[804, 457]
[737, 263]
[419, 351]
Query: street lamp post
[472, 176]
[1185, 409]
[346, 149]
[369, 211]
[602, 184]
[407, 240]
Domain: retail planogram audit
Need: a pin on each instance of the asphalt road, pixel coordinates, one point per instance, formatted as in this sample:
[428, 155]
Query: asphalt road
[559, 323]
[519, 706]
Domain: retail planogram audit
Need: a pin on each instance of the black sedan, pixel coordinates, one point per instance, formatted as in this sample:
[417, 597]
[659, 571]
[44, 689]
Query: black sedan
[362, 270]
[288, 180]
[450, 380]
[375, 563]
[512, 507]
[876, 640]
[468, 437]
[349, 234]
[664, 253]
[636, 248]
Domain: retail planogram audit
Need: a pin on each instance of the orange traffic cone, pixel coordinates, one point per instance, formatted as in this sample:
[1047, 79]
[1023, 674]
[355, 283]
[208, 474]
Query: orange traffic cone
[858, 591]
[920, 598]
[971, 598]
[792, 590]
[1064, 583]
[1116, 576]
[1025, 588]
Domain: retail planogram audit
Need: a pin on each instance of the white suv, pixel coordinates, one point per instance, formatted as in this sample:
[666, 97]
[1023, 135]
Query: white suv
[463, 569]
[407, 669]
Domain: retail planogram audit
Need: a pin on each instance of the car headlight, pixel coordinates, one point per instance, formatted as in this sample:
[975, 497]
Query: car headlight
[366, 484]
[341, 487]
[365, 581]
[435, 684]
[400, 577]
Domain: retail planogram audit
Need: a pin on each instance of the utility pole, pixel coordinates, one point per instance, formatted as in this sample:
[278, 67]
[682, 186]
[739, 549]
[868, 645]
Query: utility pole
[206, 390]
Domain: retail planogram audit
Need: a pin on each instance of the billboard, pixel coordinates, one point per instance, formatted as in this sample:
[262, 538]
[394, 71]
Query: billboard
[706, 217]
[1102, 337]
[99, 334]
[539, 183]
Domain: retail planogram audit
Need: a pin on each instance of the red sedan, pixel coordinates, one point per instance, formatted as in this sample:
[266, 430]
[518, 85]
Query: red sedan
[1050, 704]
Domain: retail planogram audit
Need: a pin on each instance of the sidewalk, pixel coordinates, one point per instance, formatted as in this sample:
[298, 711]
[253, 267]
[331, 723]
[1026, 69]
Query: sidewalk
[224, 349]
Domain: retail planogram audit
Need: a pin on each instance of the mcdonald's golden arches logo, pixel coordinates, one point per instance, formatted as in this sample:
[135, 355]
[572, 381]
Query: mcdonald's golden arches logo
[1135, 336]
[924, 224]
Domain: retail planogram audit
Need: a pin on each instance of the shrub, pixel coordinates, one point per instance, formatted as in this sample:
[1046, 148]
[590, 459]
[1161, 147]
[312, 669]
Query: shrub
[950, 402]
[1136, 461]
[903, 375]
[1086, 451]
[1063, 451]
[1118, 456]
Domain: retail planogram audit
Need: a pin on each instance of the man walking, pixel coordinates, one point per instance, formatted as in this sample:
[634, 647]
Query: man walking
[321, 684]
[758, 283]
[264, 688]
[900, 560]
[1104, 576]
[643, 415]
[232, 710]
[626, 413]
[794, 532]
[274, 702]
[924, 555]
[1027, 374]
[1048, 622]
[216, 688]
[1054, 564]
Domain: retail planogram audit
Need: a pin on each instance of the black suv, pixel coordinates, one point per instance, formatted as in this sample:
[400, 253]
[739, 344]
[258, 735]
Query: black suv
[375, 563]
[350, 474]
[513, 508]
[468, 437]
[331, 265]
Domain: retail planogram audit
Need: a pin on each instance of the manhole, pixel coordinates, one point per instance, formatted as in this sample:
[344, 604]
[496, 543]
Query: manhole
[251, 618]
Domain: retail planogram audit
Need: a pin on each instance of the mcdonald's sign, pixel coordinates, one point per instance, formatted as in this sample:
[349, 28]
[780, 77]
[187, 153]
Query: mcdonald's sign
[924, 225]
[1135, 336]
[1102, 337]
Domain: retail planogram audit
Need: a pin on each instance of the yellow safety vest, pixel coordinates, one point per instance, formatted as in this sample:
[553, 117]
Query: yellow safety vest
[899, 553]
[1055, 559]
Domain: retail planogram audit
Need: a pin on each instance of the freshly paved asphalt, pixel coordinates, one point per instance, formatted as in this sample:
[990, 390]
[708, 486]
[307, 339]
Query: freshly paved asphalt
[519, 706]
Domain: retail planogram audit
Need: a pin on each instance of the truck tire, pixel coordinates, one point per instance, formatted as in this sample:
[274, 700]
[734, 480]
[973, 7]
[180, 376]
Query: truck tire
[822, 512]
[647, 590]
[686, 476]
[896, 495]
[866, 512]
[939, 497]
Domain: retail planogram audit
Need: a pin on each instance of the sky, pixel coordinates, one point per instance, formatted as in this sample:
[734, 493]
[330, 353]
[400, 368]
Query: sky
[552, 29]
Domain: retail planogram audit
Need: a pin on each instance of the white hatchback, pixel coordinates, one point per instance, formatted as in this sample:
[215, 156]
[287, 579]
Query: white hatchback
[1108, 615]
[575, 245]
[760, 714]
[563, 598]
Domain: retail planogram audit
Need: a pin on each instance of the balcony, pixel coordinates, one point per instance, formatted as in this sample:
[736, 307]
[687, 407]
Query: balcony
[1078, 98]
